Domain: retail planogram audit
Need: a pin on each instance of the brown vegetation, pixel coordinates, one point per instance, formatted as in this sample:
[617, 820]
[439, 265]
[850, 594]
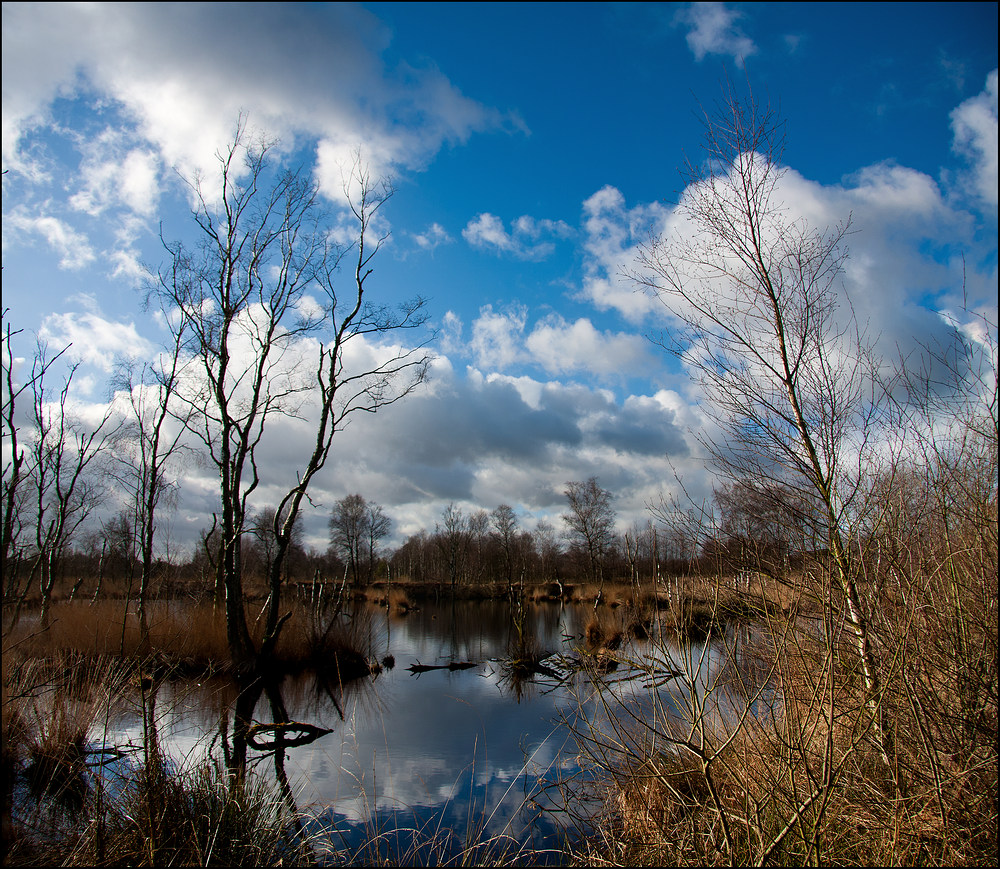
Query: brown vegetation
[184, 639]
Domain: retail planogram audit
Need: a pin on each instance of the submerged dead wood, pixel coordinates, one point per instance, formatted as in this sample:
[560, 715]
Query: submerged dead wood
[454, 665]
[288, 734]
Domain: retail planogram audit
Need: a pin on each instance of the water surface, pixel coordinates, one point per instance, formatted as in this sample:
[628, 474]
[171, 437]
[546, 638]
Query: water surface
[455, 754]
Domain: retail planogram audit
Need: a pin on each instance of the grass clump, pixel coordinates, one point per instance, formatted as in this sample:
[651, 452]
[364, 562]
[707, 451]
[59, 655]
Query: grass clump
[199, 816]
[202, 816]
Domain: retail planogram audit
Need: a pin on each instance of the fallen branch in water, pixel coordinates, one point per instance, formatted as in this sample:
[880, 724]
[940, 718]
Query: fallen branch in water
[306, 733]
[454, 665]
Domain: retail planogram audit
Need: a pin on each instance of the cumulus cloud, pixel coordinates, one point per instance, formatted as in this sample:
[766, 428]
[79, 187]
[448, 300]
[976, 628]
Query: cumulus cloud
[113, 173]
[497, 336]
[501, 340]
[524, 240]
[713, 28]
[181, 75]
[73, 247]
[974, 124]
[897, 217]
[432, 237]
[483, 440]
[612, 233]
[94, 339]
[561, 347]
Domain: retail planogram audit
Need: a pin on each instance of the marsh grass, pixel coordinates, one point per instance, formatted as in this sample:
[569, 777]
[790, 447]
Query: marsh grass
[81, 802]
[188, 639]
[790, 771]
[393, 598]
[61, 687]
[160, 816]
[430, 845]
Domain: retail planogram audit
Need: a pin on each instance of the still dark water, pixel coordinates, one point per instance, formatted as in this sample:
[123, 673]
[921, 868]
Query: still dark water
[457, 755]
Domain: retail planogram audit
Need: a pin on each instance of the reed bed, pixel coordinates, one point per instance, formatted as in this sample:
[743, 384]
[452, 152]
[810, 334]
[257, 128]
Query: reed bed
[183, 638]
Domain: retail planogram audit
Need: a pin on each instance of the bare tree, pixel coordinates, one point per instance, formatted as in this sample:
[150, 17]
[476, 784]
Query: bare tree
[262, 279]
[356, 528]
[504, 521]
[453, 539]
[347, 531]
[17, 467]
[261, 525]
[146, 447]
[591, 523]
[787, 374]
[378, 527]
[478, 525]
[63, 455]
[762, 525]
[640, 546]
[548, 548]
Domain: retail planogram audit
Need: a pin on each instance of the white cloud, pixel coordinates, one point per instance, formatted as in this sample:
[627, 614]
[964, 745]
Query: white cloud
[95, 340]
[115, 174]
[898, 219]
[450, 332]
[432, 237]
[497, 337]
[501, 340]
[182, 74]
[127, 265]
[894, 192]
[487, 232]
[713, 29]
[73, 247]
[974, 124]
[563, 348]
[612, 235]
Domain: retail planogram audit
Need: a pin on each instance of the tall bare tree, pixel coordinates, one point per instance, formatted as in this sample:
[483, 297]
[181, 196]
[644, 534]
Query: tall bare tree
[64, 452]
[378, 527]
[453, 539]
[504, 522]
[17, 458]
[147, 444]
[264, 277]
[591, 523]
[356, 527]
[754, 297]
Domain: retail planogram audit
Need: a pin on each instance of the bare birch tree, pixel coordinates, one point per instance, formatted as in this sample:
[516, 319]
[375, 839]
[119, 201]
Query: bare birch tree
[591, 523]
[356, 527]
[754, 298]
[17, 461]
[263, 279]
[147, 446]
[64, 453]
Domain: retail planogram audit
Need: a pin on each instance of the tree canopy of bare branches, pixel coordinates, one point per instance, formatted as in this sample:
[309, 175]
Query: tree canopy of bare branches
[260, 289]
[591, 522]
[759, 317]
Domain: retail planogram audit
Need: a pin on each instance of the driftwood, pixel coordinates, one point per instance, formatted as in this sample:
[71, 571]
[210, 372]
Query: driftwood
[454, 665]
[283, 735]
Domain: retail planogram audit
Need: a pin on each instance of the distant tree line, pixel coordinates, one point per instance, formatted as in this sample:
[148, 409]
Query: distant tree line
[465, 548]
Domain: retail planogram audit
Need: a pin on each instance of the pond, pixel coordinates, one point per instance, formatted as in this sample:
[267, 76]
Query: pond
[445, 746]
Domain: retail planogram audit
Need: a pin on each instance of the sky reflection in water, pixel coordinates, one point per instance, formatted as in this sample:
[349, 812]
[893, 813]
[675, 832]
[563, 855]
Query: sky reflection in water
[458, 751]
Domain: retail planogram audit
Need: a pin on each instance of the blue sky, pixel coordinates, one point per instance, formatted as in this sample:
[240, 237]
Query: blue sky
[532, 146]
